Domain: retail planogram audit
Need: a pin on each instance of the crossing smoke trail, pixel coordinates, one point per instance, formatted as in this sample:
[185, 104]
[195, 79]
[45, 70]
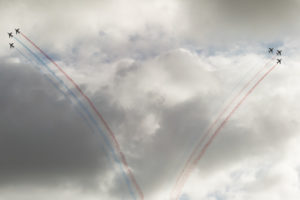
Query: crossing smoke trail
[196, 160]
[86, 111]
[124, 161]
[217, 120]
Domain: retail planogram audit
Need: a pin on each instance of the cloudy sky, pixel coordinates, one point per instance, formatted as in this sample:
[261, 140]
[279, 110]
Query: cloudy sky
[159, 72]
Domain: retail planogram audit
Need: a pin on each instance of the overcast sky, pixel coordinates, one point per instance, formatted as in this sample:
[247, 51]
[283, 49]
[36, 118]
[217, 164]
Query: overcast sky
[159, 72]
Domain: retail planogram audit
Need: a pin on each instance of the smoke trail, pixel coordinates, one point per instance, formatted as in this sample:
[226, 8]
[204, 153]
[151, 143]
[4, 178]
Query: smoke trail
[58, 88]
[196, 160]
[66, 97]
[97, 113]
[220, 115]
[86, 111]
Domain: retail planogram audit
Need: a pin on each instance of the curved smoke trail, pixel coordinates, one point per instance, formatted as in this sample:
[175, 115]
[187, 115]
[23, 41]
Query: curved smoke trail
[196, 160]
[220, 115]
[47, 77]
[85, 110]
[60, 90]
[54, 85]
[97, 113]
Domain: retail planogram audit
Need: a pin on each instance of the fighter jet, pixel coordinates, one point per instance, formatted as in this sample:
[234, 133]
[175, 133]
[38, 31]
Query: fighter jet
[11, 45]
[17, 30]
[279, 52]
[278, 61]
[271, 50]
[10, 35]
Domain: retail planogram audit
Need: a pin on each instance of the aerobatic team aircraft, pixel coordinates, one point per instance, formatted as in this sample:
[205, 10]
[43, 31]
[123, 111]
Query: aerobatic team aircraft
[278, 61]
[11, 45]
[279, 52]
[271, 50]
[10, 35]
[17, 30]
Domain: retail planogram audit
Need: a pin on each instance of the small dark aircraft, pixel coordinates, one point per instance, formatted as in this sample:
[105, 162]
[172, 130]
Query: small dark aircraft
[279, 52]
[271, 50]
[10, 35]
[17, 30]
[11, 45]
[278, 61]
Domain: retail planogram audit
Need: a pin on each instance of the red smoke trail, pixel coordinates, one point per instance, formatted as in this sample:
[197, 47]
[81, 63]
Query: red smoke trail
[196, 160]
[216, 121]
[97, 113]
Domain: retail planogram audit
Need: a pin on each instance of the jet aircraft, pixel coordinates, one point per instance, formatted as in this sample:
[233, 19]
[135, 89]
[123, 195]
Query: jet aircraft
[278, 61]
[11, 45]
[279, 52]
[271, 50]
[10, 35]
[17, 30]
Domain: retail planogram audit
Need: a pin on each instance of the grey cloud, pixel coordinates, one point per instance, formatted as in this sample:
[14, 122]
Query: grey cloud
[155, 159]
[43, 140]
[233, 20]
[67, 22]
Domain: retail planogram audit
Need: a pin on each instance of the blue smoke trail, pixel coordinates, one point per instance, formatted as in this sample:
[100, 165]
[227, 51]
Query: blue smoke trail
[86, 111]
[55, 86]
[66, 97]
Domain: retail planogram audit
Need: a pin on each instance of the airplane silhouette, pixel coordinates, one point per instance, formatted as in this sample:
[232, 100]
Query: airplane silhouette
[279, 52]
[271, 50]
[17, 30]
[278, 61]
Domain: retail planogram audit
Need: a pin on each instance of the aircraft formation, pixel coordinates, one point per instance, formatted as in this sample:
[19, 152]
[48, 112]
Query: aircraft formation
[278, 53]
[17, 31]
[10, 35]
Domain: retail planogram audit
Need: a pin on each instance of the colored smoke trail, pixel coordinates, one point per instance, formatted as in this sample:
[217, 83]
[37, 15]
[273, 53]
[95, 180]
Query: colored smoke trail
[196, 160]
[56, 87]
[86, 111]
[220, 115]
[97, 113]
[66, 97]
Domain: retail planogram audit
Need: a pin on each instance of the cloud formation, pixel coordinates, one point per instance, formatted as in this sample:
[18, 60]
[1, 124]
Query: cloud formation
[159, 72]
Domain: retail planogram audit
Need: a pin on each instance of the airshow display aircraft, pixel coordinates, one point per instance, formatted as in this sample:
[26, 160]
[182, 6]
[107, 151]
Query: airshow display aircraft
[17, 30]
[11, 45]
[279, 52]
[10, 35]
[278, 61]
[271, 50]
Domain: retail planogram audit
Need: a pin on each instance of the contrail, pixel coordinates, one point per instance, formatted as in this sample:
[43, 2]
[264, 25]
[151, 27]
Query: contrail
[86, 111]
[211, 127]
[97, 113]
[196, 160]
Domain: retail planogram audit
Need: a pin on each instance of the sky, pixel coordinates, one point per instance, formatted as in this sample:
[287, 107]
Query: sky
[159, 72]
